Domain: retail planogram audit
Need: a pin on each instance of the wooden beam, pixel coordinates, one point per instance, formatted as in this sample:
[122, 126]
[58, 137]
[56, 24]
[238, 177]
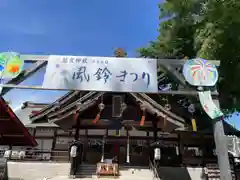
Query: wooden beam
[131, 138]
[176, 75]
[34, 58]
[173, 92]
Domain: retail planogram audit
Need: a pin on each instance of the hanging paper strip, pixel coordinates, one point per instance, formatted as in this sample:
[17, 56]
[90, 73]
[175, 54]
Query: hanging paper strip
[208, 105]
[194, 125]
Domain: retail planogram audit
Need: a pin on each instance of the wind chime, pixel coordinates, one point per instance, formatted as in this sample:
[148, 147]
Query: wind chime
[191, 109]
[123, 108]
[101, 107]
[167, 107]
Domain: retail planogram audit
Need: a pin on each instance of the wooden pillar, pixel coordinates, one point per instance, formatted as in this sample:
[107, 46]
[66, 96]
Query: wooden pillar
[54, 143]
[148, 145]
[85, 147]
[155, 130]
[148, 140]
[54, 138]
[181, 148]
[76, 135]
[106, 132]
[34, 132]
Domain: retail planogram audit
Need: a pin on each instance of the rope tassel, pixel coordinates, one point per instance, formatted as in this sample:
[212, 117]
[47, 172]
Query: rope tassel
[76, 116]
[101, 106]
[97, 118]
[143, 119]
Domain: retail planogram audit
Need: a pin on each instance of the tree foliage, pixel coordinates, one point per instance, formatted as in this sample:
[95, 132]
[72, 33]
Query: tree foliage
[208, 29]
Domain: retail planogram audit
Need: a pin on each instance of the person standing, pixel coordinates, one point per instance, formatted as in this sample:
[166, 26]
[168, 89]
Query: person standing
[73, 156]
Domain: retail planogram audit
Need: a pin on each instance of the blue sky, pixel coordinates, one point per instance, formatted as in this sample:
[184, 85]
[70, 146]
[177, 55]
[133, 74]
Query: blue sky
[76, 27]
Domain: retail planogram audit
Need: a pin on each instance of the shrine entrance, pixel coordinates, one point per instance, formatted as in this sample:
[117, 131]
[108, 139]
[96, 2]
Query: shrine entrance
[99, 150]
[139, 153]
[93, 152]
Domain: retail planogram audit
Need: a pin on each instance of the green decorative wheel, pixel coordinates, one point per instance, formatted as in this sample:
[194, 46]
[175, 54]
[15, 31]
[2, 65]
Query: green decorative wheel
[10, 65]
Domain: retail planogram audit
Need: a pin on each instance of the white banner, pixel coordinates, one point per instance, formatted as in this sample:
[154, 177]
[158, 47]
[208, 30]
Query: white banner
[101, 74]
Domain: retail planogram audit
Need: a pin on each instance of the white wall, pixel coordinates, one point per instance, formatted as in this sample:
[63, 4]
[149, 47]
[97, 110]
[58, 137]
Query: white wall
[44, 132]
[36, 170]
[46, 146]
[63, 142]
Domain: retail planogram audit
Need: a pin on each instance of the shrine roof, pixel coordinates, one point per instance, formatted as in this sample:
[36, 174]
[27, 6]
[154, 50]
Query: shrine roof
[79, 101]
[29, 108]
[12, 130]
[76, 101]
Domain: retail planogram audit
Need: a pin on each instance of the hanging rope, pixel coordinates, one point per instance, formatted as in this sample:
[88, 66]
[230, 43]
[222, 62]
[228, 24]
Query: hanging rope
[101, 106]
[142, 121]
[76, 116]
[164, 122]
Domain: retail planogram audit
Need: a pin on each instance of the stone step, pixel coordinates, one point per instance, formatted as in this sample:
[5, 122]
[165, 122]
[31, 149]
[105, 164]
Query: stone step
[96, 178]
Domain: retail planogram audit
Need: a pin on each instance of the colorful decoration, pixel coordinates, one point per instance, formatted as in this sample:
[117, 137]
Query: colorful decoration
[142, 121]
[208, 105]
[200, 72]
[10, 65]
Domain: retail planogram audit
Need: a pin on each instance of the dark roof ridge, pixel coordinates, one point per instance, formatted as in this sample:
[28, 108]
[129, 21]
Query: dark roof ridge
[51, 106]
[160, 107]
[153, 110]
[79, 101]
[34, 104]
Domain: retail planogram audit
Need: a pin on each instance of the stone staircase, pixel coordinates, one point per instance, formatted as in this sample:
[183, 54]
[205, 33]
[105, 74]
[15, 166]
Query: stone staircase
[87, 171]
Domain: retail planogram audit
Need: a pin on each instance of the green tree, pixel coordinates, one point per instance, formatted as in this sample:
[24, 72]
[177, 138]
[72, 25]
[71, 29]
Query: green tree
[208, 29]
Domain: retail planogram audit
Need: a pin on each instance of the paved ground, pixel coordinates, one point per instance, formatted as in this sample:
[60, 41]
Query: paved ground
[37, 170]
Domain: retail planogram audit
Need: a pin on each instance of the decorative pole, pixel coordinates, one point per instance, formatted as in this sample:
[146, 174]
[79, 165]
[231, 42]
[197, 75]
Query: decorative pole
[103, 144]
[119, 52]
[202, 74]
[128, 148]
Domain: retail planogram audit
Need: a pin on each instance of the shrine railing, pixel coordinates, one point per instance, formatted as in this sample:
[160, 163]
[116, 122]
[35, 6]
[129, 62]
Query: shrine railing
[153, 168]
[3, 168]
[36, 155]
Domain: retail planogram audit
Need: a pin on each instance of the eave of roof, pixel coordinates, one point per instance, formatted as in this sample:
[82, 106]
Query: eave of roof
[55, 105]
[69, 111]
[154, 105]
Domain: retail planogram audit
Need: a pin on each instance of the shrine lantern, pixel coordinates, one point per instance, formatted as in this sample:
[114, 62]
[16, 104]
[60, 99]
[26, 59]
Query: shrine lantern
[157, 153]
